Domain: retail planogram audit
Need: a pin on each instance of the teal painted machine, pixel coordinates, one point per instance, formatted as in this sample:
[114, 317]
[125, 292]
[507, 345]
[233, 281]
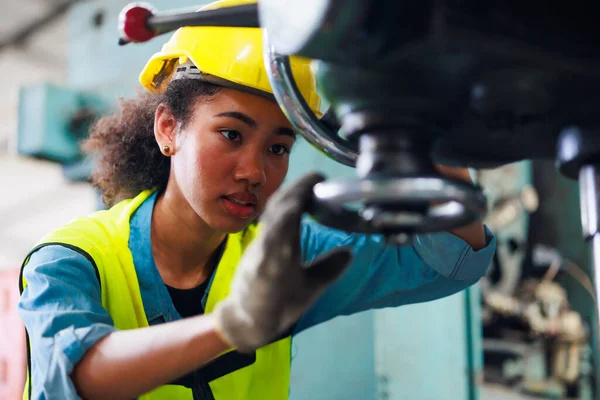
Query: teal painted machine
[52, 122]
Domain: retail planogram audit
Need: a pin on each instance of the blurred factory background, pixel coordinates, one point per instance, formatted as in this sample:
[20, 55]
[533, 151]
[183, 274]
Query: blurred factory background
[524, 331]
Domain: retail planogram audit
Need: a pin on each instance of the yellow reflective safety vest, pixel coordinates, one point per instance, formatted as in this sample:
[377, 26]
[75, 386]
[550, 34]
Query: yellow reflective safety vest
[103, 238]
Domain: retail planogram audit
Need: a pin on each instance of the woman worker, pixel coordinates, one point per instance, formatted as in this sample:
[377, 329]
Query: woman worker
[141, 300]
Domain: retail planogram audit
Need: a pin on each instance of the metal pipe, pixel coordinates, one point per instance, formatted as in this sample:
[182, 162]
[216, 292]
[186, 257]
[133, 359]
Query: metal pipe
[596, 264]
[244, 16]
[589, 197]
[589, 201]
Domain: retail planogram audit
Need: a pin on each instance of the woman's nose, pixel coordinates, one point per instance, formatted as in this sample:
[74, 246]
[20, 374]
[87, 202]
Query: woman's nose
[251, 168]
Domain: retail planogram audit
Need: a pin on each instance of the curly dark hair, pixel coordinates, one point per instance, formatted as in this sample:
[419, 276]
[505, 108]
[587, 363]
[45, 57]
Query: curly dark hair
[127, 158]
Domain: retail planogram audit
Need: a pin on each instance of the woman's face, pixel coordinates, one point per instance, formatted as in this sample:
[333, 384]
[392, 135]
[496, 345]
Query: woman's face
[230, 157]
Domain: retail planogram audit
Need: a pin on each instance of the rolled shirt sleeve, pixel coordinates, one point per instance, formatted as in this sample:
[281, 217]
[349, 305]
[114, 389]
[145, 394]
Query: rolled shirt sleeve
[61, 308]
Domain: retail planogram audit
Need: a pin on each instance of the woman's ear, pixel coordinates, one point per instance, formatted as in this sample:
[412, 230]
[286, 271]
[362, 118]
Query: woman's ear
[165, 127]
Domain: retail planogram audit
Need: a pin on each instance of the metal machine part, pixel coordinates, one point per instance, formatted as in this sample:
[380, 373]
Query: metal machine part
[296, 109]
[508, 219]
[397, 184]
[537, 317]
[528, 302]
[507, 210]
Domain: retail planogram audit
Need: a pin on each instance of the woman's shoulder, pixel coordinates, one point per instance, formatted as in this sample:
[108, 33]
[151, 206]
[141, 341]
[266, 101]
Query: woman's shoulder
[54, 252]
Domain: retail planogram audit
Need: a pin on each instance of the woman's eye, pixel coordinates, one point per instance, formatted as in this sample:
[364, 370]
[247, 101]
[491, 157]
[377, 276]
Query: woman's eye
[234, 136]
[279, 149]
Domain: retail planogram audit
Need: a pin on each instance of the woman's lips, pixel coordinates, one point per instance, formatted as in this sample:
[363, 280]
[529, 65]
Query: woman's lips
[238, 208]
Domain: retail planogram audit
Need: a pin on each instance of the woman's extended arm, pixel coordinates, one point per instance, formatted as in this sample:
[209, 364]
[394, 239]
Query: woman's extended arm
[126, 364]
[433, 266]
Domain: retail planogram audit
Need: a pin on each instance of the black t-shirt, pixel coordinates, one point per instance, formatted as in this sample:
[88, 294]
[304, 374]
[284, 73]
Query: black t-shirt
[188, 302]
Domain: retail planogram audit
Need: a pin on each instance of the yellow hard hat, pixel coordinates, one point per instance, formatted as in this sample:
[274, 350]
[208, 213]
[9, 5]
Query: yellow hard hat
[230, 56]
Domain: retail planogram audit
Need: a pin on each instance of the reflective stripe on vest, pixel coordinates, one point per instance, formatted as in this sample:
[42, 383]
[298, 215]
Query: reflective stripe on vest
[103, 238]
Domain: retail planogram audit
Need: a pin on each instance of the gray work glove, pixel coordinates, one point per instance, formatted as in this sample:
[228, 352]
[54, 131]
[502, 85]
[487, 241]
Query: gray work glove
[272, 287]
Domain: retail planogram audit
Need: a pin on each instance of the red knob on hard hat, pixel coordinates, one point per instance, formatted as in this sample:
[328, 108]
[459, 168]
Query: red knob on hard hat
[133, 23]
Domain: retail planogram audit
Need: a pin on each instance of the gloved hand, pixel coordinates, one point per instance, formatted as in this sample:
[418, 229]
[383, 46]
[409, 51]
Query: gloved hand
[272, 287]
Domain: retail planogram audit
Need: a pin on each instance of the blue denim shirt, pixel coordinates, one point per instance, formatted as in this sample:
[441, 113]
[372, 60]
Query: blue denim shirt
[62, 310]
